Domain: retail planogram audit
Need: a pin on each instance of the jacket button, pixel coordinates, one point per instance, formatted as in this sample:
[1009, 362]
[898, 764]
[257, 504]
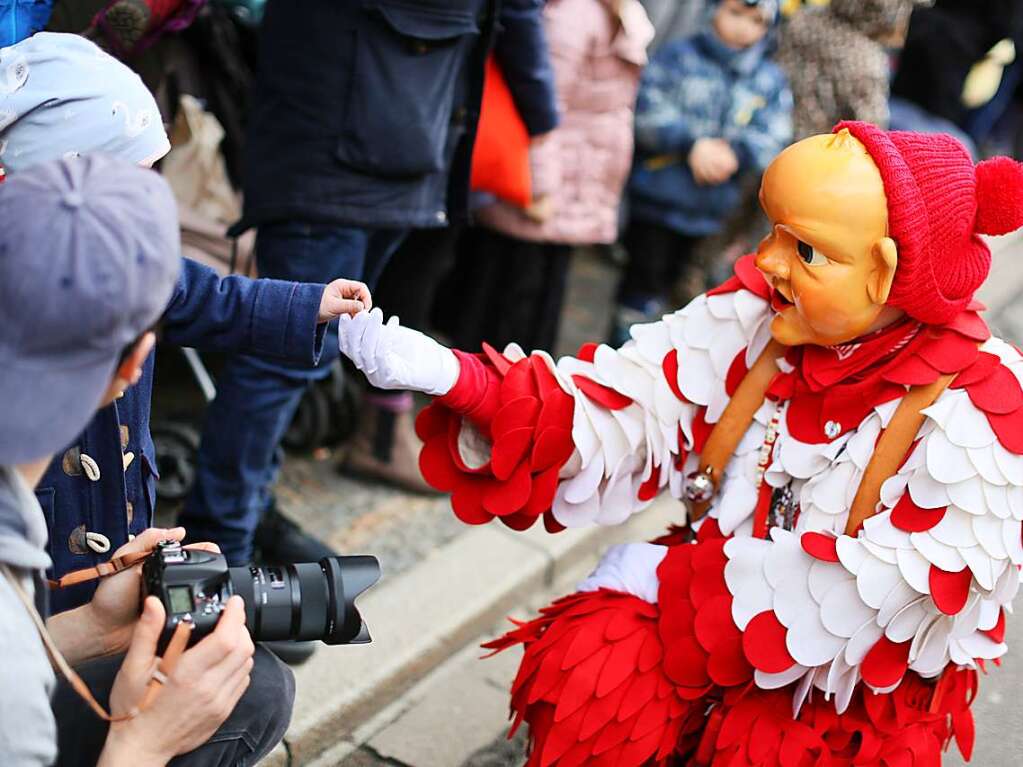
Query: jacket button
[129, 510]
[71, 463]
[90, 467]
[97, 542]
[76, 542]
[125, 436]
[127, 458]
[441, 216]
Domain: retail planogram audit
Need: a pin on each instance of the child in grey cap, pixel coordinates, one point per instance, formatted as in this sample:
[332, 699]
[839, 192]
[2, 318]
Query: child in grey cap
[89, 256]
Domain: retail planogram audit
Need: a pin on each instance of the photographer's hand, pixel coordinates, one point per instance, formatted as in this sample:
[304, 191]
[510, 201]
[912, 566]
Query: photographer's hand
[197, 698]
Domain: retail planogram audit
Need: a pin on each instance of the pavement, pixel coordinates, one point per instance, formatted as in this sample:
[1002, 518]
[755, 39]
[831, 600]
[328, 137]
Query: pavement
[419, 696]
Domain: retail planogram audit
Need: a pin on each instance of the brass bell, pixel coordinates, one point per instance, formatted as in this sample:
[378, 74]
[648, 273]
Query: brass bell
[699, 486]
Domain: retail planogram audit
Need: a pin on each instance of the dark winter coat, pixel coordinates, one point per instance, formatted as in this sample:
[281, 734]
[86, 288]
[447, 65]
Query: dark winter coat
[365, 111]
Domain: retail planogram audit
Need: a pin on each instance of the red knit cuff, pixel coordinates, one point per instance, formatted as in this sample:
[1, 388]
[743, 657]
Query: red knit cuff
[476, 393]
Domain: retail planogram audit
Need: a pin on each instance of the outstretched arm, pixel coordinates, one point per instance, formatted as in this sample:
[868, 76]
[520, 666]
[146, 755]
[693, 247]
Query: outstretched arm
[591, 439]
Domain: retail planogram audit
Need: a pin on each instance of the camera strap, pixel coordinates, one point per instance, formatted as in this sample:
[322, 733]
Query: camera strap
[165, 666]
[102, 570]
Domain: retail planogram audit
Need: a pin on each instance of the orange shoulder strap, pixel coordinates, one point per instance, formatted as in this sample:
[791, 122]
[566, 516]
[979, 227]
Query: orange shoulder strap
[891, 449]
[735, 420]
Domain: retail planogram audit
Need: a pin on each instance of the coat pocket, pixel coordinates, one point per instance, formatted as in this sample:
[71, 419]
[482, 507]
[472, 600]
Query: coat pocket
[408, 70]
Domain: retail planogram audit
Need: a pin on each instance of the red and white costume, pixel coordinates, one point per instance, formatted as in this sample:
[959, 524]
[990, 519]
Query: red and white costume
[623, 672]
[773, 638]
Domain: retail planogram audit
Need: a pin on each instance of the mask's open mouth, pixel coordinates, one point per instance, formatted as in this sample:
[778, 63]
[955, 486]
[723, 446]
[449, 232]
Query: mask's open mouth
[778, 301]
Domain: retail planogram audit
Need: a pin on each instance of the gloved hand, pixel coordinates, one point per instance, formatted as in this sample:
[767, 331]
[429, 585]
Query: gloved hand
[393, 357]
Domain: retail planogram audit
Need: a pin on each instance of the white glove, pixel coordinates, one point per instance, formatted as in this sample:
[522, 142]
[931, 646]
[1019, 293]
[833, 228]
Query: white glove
[393, 357]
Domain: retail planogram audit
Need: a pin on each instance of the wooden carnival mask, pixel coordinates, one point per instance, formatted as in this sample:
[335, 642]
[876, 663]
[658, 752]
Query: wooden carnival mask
[829, 257]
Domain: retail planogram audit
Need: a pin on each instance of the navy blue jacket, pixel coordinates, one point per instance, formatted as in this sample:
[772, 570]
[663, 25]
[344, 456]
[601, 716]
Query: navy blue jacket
[365, 111]
[264, 317]
[696, 88]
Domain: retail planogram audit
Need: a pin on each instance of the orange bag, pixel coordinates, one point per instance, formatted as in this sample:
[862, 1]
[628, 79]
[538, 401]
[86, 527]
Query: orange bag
[500, 159]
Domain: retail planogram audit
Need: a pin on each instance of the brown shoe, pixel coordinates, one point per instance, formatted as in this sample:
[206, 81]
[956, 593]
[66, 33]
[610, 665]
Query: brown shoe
[385, 446]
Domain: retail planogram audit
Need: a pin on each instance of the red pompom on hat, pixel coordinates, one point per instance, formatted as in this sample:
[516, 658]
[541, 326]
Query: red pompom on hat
[938, 202]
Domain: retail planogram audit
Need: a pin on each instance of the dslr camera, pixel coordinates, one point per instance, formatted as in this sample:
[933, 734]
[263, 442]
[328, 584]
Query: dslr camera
[312, 600]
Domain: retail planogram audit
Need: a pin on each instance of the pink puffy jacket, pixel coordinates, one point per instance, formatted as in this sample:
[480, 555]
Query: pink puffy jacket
[598, 48]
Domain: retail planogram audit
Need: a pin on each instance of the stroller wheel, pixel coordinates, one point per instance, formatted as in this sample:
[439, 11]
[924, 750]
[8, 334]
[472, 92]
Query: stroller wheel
[311, 422]
[176, 447]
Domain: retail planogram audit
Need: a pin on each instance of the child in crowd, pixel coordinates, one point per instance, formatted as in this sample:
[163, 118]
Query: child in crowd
[712, 109]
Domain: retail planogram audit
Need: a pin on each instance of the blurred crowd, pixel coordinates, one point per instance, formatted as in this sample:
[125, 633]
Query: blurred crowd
[449, 157]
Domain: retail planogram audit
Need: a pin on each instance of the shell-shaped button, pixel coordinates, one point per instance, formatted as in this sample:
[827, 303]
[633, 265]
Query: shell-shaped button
[97, 542]
[89, 467]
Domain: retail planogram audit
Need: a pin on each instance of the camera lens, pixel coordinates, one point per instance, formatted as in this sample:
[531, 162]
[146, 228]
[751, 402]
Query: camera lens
[313, 600]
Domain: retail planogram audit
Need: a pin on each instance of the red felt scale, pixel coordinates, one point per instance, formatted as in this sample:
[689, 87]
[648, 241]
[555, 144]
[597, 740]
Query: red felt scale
[950, 590]
[820, 546]
[669, 366]
[911, 518]
[885, 663]
[603, 395]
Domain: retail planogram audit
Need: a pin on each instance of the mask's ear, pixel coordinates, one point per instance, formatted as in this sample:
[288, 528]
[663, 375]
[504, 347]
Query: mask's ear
[886, 261]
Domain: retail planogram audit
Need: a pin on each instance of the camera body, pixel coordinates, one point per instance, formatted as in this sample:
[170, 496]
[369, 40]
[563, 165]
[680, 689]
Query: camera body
[313, 600]
[193, 585]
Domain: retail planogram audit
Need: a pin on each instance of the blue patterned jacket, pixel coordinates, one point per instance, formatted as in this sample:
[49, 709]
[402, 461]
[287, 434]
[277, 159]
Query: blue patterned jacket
[695, 88]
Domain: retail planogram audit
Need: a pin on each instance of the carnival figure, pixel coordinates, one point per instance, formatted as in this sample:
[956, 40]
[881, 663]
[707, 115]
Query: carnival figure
[848, 438]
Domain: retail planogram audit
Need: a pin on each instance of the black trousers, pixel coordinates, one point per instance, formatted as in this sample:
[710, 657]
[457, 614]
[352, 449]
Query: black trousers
[256, 725]
[504, 290]
[412, 279]
[657, 256]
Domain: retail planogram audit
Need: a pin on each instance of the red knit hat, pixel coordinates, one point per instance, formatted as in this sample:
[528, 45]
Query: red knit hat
[938, 202]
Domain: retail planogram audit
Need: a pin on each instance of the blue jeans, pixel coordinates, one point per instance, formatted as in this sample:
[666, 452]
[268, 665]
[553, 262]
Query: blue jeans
[256, 398]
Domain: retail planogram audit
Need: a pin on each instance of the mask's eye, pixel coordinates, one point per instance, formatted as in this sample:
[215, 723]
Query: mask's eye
[810, 255]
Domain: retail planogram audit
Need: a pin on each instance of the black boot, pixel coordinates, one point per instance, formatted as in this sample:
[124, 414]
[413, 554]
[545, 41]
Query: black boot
[280, 541]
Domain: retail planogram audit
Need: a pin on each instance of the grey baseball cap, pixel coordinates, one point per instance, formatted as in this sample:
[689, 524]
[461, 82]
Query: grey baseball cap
[89, 255]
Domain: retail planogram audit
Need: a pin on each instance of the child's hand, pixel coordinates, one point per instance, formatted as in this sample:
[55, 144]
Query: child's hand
[344, 297]
[712, 161]
[541, 209]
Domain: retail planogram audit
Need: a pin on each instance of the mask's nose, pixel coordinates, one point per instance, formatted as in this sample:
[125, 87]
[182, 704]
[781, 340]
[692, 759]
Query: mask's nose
[773, 258]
